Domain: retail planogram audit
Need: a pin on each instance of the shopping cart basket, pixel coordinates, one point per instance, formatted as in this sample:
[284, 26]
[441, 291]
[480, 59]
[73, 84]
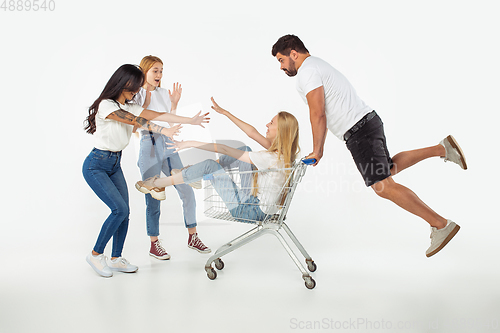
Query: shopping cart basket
[274, 206]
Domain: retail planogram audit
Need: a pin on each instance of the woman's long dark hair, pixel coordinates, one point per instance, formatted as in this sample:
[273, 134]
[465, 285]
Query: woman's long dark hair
[129, 77]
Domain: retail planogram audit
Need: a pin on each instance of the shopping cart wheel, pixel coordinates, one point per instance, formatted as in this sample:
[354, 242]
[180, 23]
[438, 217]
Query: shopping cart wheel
[212, 274]
[311, 266]
[310, 283]
[219, 264]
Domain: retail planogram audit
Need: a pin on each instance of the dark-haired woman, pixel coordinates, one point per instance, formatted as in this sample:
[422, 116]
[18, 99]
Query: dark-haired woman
[111, 120]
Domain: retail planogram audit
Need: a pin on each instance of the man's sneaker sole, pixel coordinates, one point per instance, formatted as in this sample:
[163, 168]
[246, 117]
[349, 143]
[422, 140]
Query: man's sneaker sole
[446, 240]
[156, 195]
[167, 257]
[455, 145]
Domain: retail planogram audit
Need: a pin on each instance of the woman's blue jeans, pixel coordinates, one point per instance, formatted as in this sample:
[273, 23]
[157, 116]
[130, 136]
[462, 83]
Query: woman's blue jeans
[103, 173]
[241, 203]
[153, 159]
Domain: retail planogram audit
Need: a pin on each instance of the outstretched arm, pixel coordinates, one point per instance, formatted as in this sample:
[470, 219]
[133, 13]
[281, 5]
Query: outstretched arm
[140, 122]
[316, 102]
[197, 119]
[247, 128]
[215, 147]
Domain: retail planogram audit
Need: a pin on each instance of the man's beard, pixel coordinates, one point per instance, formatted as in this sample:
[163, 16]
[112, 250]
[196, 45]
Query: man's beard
[291, 71]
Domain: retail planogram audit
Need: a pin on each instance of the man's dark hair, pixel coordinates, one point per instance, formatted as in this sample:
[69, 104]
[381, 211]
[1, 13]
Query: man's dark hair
[288, 43]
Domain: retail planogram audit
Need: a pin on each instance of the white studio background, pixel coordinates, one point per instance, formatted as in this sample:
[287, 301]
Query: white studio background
[429, 68]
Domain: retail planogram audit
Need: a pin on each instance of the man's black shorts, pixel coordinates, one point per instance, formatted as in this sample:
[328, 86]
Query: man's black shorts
[368, 148]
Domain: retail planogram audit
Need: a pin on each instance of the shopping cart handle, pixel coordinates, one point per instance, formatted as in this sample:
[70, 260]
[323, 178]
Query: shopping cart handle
[309, 161]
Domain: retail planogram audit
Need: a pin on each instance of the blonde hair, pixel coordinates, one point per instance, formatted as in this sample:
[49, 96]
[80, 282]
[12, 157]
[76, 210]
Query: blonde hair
[147, 62]
[285, 144]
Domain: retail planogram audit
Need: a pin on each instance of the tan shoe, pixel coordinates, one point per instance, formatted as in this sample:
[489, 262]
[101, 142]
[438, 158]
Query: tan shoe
[453, 152]
[441, 237]
[147, 186]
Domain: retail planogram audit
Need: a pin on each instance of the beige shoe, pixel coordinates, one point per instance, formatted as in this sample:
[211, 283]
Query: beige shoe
[196, 184]
[147, 186]
[441, 237]
[453, 152]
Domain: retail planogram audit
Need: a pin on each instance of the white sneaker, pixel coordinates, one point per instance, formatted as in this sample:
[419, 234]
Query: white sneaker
[441, 237]
[453, 151]
[98, 263]
[122, 265]
[196, 184]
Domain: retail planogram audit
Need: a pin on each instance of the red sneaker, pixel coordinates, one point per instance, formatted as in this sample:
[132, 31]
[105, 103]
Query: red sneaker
[158, 251]
[196, 244]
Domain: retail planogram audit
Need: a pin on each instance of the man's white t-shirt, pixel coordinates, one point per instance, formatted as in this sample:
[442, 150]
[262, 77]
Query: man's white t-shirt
[160, 102]
[343, 107]
[110, 134]
[270, 183]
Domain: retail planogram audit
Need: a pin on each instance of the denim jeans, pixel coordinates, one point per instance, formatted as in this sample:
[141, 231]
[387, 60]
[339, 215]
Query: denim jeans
[241, 203]
[165, 160]
[102, 171]
[228, 162]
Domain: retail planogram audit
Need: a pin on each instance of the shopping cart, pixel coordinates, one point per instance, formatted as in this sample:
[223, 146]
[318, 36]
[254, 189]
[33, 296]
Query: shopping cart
[274, 206]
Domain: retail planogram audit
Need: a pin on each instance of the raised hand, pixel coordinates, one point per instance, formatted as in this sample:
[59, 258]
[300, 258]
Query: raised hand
[175, 94]
[200, 119]
[172, 131]
[217, 108]
[178, 145]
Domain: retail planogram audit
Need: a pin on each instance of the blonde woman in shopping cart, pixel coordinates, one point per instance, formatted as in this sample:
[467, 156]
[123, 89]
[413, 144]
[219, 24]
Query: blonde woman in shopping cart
[281, 143]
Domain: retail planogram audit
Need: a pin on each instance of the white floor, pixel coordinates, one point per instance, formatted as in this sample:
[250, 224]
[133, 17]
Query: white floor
[368, 279]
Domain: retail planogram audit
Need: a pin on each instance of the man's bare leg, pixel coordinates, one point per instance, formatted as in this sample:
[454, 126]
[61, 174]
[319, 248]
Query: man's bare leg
[406, 159]
[408, 200]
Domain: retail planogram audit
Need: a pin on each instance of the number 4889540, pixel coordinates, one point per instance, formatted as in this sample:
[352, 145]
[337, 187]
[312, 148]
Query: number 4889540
[28, 5]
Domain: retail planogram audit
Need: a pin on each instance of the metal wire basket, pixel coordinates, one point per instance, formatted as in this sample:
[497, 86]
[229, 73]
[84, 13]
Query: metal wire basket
[275, 192]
